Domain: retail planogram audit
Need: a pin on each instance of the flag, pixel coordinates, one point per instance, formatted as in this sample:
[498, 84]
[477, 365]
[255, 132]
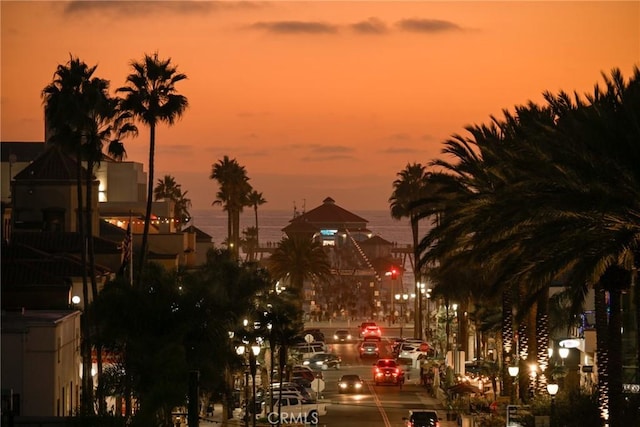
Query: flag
[126, 250]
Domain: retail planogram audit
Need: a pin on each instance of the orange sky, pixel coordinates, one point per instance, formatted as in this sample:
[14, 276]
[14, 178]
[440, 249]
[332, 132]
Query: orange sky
[319, 98]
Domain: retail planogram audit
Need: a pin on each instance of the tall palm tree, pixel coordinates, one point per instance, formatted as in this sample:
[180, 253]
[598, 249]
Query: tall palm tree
[411, 187]
[573, 164]
[151, 96]
[234, 190]
[297, 259]
[75, 103]
[255, 199]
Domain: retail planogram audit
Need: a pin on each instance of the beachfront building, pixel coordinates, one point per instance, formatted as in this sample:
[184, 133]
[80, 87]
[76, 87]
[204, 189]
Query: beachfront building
[361, 286]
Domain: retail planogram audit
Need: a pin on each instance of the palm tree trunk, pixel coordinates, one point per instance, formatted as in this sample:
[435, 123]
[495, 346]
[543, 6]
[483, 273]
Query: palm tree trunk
[509, 353]
[602, 344]
[615, 357]
[85, 324]
[542, 340]
[255, 209]
[417, 308]
[147, 216]
[102, 404]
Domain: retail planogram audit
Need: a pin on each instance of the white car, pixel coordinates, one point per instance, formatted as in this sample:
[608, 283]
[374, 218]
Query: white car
[413, 352]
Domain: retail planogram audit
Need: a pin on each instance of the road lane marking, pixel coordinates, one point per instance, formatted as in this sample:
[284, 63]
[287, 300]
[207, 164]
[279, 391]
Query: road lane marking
[378, 403]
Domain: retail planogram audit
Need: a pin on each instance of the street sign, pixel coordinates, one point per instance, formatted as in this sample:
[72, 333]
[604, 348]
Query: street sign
[317, 385]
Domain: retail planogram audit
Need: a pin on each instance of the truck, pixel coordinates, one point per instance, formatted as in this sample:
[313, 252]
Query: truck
[293, 410]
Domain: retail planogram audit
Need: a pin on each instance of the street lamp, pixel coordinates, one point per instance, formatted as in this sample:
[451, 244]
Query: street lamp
[552, 388]
[255, 351]
[240, 351]
[394, 275]
[513, 372]
[402, 300]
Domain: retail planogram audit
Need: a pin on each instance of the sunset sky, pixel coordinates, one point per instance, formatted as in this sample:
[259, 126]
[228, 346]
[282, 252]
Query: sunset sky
[318, 98]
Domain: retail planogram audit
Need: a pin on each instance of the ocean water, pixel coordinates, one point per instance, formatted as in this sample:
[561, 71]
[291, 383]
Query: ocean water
[270, 223]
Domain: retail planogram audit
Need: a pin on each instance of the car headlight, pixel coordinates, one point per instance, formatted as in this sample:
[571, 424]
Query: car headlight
[305, 362]
[319, 362]
[358, 385]
[348, 337]
[343, 385]
[335, 337]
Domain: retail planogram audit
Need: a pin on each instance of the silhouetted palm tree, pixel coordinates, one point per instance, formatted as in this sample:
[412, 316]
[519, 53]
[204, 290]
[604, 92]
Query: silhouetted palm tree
[297, 259]
[76, 103]
[255, 199]
[167, 188]
[151, 96]
[232, 195]
[411, 187]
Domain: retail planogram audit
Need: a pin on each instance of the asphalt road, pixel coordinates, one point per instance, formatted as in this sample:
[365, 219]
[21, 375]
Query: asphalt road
[377, 406]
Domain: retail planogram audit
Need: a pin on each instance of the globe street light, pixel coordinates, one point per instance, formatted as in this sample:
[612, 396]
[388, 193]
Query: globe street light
[255, 351]
[552, 388]
[513, 372]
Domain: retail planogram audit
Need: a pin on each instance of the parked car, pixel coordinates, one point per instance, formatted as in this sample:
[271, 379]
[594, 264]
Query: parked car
[422, 418]
[323, 361]
[411, 352]
[306, 350]
[369, 349]
[342, 335]
[350, 383]
[303, 372]
[387, 371]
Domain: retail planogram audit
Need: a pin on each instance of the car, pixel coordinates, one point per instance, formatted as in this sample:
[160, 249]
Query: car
[411, 352]
[306, 350]
[303, 372]
[369, 349]
[364, 326]
[350, 383]
[422, 418]
[323, 361]
[387, 371]
[372, 331]
[342, 335]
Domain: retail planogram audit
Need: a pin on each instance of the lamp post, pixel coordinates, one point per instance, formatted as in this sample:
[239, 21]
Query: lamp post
[428, 329]
[255, 351]
[513, 372]
[240, 351]
[552, 388]
[402, 300]
[394, 276]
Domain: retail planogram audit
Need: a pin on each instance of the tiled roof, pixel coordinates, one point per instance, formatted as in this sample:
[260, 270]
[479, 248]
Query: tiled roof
[22, 152]
[329, 212]
[52, 165]
[376, 240]
[300, 225]
[200, 235]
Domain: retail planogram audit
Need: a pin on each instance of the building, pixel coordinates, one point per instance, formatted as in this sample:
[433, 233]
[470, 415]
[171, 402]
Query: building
[40, 362]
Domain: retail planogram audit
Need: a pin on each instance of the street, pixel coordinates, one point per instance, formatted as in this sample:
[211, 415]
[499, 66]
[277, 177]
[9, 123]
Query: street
[376, 406]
